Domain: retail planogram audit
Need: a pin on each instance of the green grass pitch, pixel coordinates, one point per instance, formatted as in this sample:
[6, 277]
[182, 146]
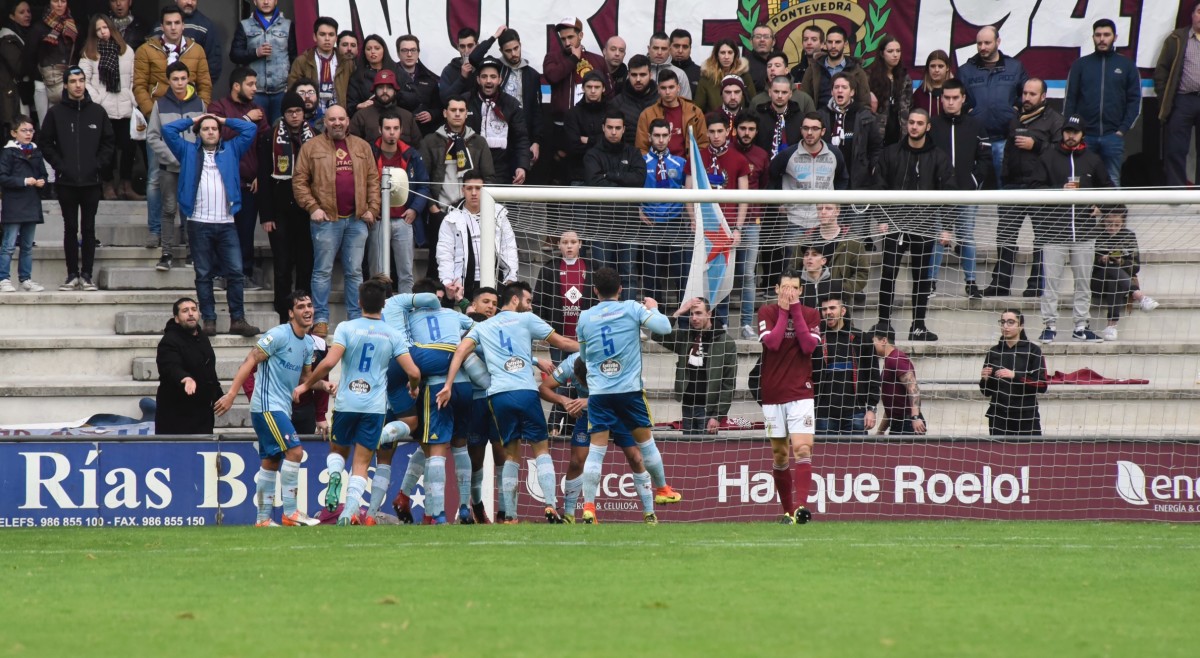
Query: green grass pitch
[824, 589]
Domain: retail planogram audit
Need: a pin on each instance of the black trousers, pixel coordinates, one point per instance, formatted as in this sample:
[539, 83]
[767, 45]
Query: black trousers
[79, 205]
[291, 252]
[920, 250]
[1008, 227]
[1005, 426]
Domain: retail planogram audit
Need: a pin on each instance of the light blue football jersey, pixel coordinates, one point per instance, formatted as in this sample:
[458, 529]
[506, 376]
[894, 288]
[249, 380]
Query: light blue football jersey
[610, 343]
[369, 345]
[564, 374]
[507, 343]
[274, 379]
[397, 308]
[439, 328]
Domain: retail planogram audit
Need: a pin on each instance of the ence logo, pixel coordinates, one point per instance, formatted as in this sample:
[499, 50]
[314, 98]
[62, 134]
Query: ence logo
[1167, 493]
[864, 19]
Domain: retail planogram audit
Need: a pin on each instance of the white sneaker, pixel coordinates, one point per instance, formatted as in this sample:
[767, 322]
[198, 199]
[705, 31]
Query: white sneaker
[6, 286]
[748, 333]
[31, 286]
[72, 283]
[1110, 332]
[1148, 303]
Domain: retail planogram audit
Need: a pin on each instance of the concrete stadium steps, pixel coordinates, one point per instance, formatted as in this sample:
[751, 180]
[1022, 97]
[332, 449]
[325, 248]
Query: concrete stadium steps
[66, 358]
[86, 313]
[151, 322]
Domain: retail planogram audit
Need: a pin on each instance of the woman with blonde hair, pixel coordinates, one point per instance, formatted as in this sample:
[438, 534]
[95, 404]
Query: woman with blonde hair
[107, 61]
[724, 60]
[937, 71]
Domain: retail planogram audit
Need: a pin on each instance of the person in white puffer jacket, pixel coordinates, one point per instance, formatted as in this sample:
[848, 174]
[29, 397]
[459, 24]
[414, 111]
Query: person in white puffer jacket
[108, 63]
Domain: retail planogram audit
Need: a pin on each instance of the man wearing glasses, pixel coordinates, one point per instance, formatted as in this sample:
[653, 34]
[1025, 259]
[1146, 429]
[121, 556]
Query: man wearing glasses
[418, 92]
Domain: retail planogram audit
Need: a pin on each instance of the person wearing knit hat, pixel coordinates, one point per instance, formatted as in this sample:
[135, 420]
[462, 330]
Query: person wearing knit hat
[733, 99]
[286, 224]
[500, 120]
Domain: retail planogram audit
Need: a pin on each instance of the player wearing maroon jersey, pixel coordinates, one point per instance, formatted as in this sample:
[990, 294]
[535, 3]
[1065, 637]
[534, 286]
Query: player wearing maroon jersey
[789, 332]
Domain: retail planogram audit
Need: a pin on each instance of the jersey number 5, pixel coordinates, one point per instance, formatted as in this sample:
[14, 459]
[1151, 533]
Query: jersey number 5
[364, 361]
[606, 340]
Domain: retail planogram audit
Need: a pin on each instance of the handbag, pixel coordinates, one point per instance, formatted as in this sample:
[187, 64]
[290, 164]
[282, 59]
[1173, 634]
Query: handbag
[137, 126]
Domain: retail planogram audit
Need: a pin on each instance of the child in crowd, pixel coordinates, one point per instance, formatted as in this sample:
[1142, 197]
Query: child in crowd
[1115, 271]
[22, 174]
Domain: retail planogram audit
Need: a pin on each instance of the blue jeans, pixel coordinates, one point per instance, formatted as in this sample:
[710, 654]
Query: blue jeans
[618, 256]
[216, 252]
[347, 237]
[998, 159]
[25, 263]
[1111, 149]
[744, 272]
[964, 232]
[402, 254]
[855, 425]
[246, 220]
[271, 104]
[153, 194]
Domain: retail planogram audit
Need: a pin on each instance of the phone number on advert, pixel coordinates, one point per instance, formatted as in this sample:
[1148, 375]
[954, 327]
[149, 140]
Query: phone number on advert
[96, 522]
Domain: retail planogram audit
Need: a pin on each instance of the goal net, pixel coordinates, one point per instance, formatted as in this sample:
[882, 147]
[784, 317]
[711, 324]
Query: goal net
[1112, 415]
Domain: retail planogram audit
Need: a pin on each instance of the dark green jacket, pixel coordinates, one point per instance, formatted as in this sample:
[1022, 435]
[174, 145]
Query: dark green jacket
[722, 366]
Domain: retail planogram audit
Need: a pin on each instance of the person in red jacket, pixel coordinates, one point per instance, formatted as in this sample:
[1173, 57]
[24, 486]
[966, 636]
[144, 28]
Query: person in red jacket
[565, 68]
[789, 332]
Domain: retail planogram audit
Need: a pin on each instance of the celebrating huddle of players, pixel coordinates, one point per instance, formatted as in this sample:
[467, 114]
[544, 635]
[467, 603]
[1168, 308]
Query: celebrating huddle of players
[408, 369]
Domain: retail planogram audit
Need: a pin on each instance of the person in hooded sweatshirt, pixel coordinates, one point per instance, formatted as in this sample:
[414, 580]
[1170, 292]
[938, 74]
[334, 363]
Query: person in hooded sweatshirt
[1013, 374]
[584, 126]
[913, 163]
[499, 118]
[519, 80]
[449, 152]
[77, 140]
[639, 92]
[180, 101]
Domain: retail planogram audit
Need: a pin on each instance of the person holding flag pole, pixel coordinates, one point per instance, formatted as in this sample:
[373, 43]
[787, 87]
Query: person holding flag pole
[715, 167]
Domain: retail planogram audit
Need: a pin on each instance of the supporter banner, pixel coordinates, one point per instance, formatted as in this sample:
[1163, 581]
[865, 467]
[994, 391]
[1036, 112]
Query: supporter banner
[1043, 480]
[1048, 36]
[190, 483]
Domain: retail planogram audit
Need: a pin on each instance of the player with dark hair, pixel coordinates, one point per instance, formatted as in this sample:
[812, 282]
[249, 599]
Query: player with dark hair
[363, 346]
[280, 358]
[789, 332]
[610, 344]
[482, 431]
[507, 343]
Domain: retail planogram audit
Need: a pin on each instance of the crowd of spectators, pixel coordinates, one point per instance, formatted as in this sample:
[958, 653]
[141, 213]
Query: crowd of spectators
[325, 122]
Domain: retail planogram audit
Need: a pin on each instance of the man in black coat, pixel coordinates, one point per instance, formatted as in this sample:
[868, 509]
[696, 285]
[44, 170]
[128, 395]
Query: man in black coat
[913, 163]
[1067, 234]
[187, 374]
[583, 126]
[499, 119]
[964, 139]
[639, 92]
[613, 163]
[77, 140]
[1036, 128]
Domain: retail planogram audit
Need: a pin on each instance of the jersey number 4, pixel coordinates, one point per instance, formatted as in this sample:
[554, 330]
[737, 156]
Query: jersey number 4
[506, 343]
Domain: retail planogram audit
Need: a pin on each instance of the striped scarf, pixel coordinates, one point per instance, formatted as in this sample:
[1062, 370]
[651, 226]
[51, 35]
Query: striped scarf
[60, 27]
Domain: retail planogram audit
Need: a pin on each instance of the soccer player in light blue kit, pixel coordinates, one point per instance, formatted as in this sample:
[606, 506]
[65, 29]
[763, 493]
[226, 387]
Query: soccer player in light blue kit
[402, 418]
[363, 346]
[280, 358]
[439, 329]
[507, 344]
[610, 343]
[573, 372]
